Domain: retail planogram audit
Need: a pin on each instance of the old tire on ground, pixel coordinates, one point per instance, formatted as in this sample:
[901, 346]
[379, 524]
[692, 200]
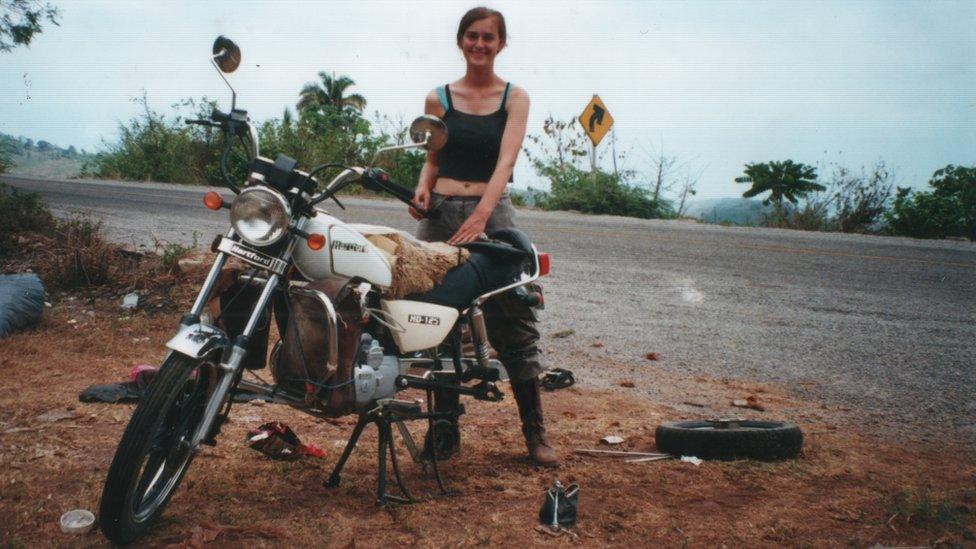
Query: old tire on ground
[763, 440]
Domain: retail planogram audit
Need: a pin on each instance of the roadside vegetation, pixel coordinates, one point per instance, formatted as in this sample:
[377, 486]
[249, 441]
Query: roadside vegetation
[329, 123]
[328, 126]
[73, 255]
[864, 202]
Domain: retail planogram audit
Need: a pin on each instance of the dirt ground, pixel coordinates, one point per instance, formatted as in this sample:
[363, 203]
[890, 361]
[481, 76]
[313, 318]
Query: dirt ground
[847, 487]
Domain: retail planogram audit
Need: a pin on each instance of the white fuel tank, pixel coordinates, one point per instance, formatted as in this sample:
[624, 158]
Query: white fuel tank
[425, 325]
[346, 254]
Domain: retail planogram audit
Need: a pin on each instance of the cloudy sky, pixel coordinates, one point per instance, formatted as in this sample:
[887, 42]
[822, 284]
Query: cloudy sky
[716, 83]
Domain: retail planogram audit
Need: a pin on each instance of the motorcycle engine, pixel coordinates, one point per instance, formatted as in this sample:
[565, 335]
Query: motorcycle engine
[376, 378]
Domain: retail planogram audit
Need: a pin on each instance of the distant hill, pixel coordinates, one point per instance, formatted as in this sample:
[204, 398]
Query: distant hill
[42, 159]
[737, 211]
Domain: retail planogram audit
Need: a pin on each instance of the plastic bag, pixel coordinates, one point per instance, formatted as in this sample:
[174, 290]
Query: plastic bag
[21, 302]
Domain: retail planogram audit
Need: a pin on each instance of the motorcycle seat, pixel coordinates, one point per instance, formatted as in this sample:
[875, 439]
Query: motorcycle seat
[493, 264]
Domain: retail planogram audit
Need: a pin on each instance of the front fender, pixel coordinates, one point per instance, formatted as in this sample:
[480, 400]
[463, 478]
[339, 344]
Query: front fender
[198, 340]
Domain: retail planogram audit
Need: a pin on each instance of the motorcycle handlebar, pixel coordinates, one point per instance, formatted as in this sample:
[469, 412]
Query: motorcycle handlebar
[202, 123]
[378, 180]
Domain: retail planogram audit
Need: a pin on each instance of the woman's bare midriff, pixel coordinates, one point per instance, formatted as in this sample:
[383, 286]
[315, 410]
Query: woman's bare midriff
[453, 187]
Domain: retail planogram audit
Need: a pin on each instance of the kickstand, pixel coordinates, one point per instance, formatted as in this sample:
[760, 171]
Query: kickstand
[384, 423]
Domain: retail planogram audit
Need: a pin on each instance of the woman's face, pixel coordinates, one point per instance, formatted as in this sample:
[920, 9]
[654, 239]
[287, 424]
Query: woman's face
[480, 42]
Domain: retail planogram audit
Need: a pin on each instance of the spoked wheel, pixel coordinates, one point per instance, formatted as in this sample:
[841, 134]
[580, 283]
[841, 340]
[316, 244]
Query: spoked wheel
[730, 439]
[154, 452]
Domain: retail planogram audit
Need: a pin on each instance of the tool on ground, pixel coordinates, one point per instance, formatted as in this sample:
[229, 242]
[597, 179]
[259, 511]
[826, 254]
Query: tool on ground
[560, 507]
[635, 457]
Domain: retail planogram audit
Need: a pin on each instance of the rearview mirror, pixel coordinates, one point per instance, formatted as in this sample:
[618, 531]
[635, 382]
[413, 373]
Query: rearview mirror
[429, 131]
[226, 54]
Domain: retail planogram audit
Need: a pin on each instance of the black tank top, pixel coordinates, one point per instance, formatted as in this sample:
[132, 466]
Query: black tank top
[473, 142]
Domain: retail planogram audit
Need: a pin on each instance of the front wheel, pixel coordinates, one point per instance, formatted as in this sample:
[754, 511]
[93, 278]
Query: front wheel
[154, 452]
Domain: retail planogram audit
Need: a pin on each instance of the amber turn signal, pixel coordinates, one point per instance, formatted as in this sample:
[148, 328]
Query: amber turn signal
[315, 241]
[213, 200]
[543, 264]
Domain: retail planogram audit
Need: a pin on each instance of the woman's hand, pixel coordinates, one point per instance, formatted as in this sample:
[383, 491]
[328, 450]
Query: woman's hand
[421, 197]
[473, 226]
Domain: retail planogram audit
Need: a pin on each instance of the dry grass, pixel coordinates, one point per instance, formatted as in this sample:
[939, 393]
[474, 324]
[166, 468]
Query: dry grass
[841, 491]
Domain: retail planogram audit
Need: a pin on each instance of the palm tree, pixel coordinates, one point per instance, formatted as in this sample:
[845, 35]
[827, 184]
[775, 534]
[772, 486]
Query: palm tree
[787, 179]
[330, 92]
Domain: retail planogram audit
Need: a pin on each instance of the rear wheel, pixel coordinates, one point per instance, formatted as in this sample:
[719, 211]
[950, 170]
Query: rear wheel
[154, 452]
[730, 439]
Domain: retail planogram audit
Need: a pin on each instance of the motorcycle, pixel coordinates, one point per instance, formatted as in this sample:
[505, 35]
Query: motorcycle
[346, 346]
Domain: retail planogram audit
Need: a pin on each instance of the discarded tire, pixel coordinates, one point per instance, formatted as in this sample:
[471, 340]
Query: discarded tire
[730, 439]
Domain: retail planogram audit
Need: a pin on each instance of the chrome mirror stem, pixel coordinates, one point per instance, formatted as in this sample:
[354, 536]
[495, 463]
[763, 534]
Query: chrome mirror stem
[233, 94]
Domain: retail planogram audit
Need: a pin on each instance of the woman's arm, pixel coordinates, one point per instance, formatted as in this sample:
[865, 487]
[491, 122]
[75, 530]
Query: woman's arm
[518, 115]
[428, 174]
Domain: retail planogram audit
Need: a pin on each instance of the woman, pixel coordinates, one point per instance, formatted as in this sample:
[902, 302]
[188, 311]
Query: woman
[466, 181]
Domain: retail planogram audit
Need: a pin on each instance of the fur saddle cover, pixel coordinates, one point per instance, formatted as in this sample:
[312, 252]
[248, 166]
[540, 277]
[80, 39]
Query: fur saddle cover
[417, 266]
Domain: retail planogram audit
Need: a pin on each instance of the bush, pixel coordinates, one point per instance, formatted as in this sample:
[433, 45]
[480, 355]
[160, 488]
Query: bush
[152, 147]
[860, 201]
[22, 211]
[924, 215]
[600, 193]
[560, 148]
[948, 210]
[848, 202]
[79, 256]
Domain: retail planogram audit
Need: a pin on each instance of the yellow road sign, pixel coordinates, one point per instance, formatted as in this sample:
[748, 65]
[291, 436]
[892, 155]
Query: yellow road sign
[596, 120]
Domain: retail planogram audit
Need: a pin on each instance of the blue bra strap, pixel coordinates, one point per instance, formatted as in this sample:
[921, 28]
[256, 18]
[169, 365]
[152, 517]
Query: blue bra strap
[442, 96]
[504, 96]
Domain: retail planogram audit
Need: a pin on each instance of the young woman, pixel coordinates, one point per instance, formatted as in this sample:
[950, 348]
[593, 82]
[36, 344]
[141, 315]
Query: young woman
[465, 181]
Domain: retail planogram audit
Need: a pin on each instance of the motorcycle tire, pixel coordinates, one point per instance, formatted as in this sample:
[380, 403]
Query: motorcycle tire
[761, 440]
[134, 496]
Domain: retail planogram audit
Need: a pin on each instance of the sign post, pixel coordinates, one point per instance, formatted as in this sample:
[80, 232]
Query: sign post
[596, 122]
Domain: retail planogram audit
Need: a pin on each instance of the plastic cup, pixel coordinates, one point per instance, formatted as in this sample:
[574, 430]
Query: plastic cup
[78, 521]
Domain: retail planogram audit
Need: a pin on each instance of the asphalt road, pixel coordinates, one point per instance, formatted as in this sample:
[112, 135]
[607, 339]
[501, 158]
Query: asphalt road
[886, 326]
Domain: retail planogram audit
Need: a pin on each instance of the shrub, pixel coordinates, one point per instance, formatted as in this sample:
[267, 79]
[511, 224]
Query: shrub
[557, 158]
[924, 215]
[155, 148]
[79, 257]
[600, 193]
[860, 200]
[949, 209]
[22, 211]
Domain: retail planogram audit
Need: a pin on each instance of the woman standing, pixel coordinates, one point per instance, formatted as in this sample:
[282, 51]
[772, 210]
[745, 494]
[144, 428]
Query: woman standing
[466, 180]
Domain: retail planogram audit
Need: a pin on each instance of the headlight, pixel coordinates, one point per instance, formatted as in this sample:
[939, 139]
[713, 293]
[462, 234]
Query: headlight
[260, 216]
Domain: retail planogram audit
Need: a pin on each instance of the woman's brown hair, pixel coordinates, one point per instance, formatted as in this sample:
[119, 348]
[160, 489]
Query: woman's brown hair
[477, 14]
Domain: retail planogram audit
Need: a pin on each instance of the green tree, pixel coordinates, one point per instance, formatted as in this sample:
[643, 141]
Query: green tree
[331, 92]
[787, 179]
[959, 182]
[923, 215]
[20, 20]
[949, 209]
[782, 180]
